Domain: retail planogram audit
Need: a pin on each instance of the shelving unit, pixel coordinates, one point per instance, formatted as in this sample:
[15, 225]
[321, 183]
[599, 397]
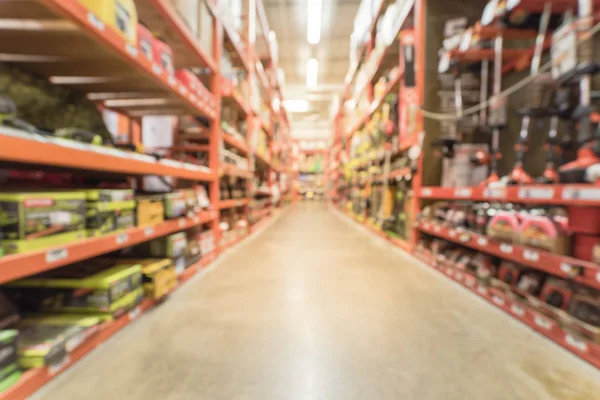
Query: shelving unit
[350, 175]
[89, 55]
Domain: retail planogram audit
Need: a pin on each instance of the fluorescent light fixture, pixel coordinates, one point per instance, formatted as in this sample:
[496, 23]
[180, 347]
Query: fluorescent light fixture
[296, 106]
[312, 69]
[313, 24]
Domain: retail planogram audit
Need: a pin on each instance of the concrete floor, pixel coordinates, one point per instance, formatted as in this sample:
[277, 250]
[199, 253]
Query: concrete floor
[316, 308]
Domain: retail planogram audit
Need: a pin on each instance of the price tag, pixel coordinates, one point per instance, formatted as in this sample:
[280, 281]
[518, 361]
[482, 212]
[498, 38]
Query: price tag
[196, 220]
[517, 310]
[498, 300]
[470, 281]
[426, 192]
[95, 21]
[181, 222]
[55, 255]
[452, 234]
[482, 290]
[542, 323]
[183, 90]
[536, 193]
[156, 69]
[481, 241]
[459, 276]
[55, 368]
[531, 255]
[576, 343]
[463, 193]
[149, 231]
[464, 238]
[171, 80]
[506, 248]
[581, 194]
[133, 314]
[495, 193]
[437, 229]
[122, 238]
[449, 272]
[131, 50]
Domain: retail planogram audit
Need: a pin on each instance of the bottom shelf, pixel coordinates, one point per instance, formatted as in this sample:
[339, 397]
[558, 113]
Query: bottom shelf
[537, 321]
[33, 379]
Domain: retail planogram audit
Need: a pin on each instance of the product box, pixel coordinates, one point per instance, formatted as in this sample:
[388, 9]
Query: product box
[544, 233]
[42, 345]
[171, 246]
[120, 15]
[150, 210]
[118, 308]
[9, 355]
[109, 211]
[91, 286]
[145, 39]
[177, 204]
[36, 220]
[207, 242]
[163, 55]
[158, 275]
[505, 225]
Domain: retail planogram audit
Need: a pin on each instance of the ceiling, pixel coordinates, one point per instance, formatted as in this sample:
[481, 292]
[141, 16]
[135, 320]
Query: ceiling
[288, 18]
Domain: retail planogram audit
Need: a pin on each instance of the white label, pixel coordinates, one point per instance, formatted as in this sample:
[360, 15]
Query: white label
[181, 222]
[95, 21]
[576, 342]
[481, 241]
[470, 281]
[449, 272]
[496, 193]
[506, 248]
[183, 90]
[133, 314]
[171, 80]
[581, 194]
[542, 323]
[437, 229]
[531, 255]
[196, 220]
[156, 69]
[452, 234]
[149, 231]
[463, 238]
[426, 192]
[131, 49]
[482, 290]
[568, 268]
[517, 310]
[463, 192]
[459, 276]
[55, 368]
[498, 300]
[56, 255]
[536, 193]
[598, 276]
[122, 238]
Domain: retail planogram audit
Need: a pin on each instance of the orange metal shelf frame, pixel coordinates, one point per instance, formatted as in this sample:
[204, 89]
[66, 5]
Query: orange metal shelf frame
[117, 65]
[232, 170]
[233, 203]
[24, 151]
[572, 195]
[21, 265]
[235, 142]
[583, 272]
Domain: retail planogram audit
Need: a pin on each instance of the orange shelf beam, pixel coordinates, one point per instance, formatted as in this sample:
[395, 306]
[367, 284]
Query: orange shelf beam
[223, 204]
[26, 151]
[235, 142]
[16, 266]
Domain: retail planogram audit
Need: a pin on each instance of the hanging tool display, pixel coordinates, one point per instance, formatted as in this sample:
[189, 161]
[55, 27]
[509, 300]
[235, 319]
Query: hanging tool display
[448, 143]
[586, 167]
[536, 102]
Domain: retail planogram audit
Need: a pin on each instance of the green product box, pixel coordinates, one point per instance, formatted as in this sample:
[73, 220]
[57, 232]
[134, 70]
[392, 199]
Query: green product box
[109, 211]
[10, 380]
[36, 220]
[9, 355]
[42, 345]
[177, 204]
[171, 246]
[92, 286]
[118, 308]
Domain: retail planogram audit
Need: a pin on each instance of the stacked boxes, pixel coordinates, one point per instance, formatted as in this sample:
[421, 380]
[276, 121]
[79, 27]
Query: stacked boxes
[36, 220]
[109, 211]
[9, 358]
[159, 276]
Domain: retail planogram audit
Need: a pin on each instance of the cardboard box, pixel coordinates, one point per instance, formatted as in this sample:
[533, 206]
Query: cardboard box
[171, 246]
[109, 211]
[459, 171]
[159, 276]
[89, 286]
[150, 210]
[36, 220]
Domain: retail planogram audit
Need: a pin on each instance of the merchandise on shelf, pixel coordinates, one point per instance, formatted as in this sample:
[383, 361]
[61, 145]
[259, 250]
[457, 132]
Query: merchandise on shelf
[121, 15]
[171, 246]
[36, 220]
[145, 42]
[109, 210]
[10, 370]
[97, 285]
[159, 277]
[163, 56]
[150, 210]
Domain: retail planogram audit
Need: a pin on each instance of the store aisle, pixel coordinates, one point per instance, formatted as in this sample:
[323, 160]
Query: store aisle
[315, 308]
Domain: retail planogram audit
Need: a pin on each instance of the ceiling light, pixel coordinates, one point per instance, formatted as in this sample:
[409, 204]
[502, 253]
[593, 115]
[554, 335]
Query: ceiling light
[296, 106]
[313, 25]
[312, 69]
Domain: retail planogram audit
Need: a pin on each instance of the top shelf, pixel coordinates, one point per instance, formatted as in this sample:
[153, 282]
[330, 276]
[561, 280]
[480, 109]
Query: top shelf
[91, 56]
[573, 195]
